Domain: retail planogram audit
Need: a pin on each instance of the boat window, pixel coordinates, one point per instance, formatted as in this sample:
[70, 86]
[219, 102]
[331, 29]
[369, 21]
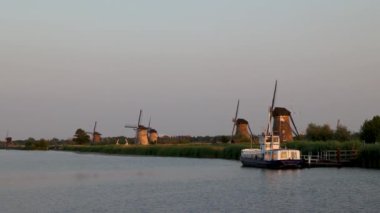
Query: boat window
[275, 156]
[294, 155]
[284, 155]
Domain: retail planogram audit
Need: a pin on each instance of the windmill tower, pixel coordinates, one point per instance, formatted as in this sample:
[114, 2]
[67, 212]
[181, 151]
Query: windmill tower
[153, 136]
[281, 124]
[281, 121]
[152, 133]
[8, 140]
[243, 130]
[141, 132]
[96, 136]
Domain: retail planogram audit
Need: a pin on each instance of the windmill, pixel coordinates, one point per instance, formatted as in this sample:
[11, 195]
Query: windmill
[8, 140]
[242, 126]
[141, 131]
[152, 133]
[283, 122]
[96, 136]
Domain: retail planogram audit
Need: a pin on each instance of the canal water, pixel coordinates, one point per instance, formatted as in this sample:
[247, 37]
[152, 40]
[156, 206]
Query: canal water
[33, 181]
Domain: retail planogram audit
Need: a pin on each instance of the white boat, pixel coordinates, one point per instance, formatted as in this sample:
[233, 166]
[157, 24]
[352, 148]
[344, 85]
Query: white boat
[270, 155]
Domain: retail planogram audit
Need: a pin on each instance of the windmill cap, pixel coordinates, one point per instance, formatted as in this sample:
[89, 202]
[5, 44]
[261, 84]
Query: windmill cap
[152, 131]
[241, 121]
[279, 111]
[142, 127]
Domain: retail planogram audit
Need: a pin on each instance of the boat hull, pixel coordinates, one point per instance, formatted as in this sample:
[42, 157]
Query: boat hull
[272, 164]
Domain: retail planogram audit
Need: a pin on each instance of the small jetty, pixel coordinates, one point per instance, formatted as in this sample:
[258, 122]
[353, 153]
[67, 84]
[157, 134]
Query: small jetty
[330, 158]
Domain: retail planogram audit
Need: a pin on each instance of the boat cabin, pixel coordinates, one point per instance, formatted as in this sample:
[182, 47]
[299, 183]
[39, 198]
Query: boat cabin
[269, 142]
[282, 154]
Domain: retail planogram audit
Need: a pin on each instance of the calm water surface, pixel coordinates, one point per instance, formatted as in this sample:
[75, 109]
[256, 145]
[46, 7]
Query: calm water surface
[69, 182]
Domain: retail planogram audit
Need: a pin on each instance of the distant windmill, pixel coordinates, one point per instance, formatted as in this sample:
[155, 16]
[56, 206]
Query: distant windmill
[8, 140]
[141, 131]
[281, 121]
[96, 136]
[281, 124]
[152, 133]
[242, 126]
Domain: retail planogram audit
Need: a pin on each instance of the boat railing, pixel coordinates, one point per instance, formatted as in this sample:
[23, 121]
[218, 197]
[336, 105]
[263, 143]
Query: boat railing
[331, 155]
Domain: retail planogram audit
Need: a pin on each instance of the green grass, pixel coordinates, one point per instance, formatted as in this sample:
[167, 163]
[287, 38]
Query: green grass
[318, 146]
[231, 151]
[369, 156]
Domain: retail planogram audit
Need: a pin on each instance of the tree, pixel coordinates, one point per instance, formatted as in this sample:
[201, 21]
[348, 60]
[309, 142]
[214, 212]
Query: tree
[370, 130]
[342, 133]
[81, 137]
[319, 133]
[41, 144]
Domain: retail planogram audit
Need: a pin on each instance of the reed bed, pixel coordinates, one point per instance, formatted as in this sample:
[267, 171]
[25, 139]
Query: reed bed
[193, 151]
[369, 156]
[319, 146]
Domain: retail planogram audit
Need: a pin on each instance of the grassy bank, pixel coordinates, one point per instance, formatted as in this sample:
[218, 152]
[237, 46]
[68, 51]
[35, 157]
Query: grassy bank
[231, 151]
[368, 157]
[318, 146]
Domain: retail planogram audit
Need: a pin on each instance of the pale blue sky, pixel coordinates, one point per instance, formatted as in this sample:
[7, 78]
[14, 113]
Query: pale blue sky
[65, 64]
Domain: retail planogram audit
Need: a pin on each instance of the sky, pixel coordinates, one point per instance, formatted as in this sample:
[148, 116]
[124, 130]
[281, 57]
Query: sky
[66, 64]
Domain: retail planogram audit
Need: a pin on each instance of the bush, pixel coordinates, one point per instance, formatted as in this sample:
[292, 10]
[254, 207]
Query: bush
[319, 133]
[342, 134]
[37, 145]
[370, 130]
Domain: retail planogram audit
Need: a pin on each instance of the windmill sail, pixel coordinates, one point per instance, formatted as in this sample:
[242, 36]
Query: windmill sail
[234, 120]
[272, 107]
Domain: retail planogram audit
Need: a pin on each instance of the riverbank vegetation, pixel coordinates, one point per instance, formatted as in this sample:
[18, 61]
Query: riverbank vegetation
[368, 154]
[231, 151]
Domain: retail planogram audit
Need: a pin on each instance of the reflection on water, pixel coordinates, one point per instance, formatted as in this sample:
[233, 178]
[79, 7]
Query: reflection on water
[69, 182]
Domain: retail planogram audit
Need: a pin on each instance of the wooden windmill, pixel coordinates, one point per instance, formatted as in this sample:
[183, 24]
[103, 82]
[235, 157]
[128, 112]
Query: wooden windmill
[96, 136]
[243, 129]
[152, 134]
[141, 132]
[283, 122]
[8, 140]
